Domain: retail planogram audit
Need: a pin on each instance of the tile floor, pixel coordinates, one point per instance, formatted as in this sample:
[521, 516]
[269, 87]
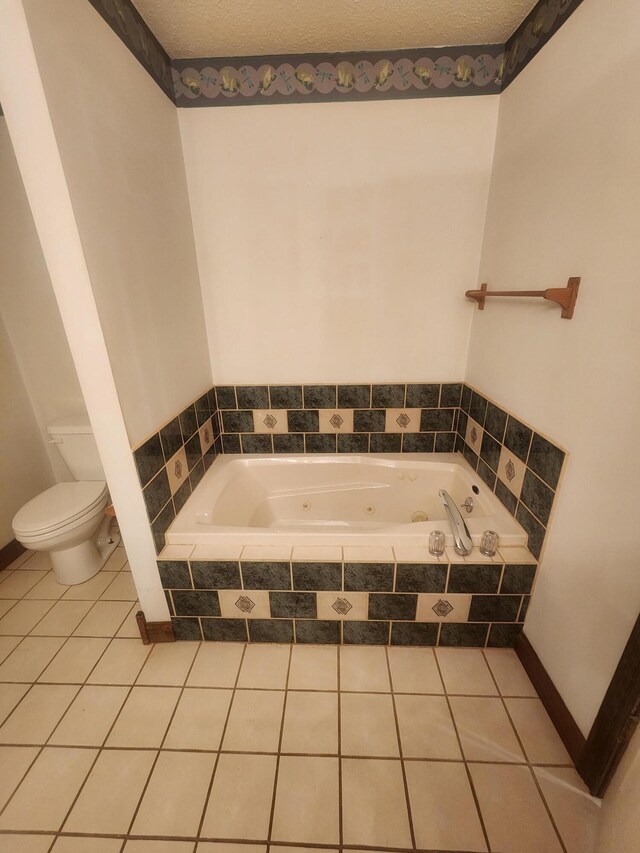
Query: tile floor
[109, 746]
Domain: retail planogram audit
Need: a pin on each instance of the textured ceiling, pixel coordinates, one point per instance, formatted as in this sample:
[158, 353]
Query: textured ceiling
[192, 28]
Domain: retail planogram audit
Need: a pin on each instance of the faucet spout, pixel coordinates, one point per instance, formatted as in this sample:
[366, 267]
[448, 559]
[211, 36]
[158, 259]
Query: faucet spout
[462, 543]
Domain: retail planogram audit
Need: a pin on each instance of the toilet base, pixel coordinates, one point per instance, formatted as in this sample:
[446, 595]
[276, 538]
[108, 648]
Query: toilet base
[77, 564]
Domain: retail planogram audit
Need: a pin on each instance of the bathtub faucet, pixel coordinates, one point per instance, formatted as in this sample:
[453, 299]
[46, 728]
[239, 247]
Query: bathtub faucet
[461, 537]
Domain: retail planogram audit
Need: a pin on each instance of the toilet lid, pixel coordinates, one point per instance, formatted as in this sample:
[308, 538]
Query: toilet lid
[59, 505]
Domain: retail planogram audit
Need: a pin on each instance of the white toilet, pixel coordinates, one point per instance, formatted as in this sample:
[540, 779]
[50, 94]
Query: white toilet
[68, 519]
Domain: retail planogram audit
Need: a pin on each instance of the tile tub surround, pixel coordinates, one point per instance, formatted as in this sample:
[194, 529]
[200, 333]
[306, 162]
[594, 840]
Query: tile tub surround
[367, 596]
[324, 418]
[516, 462]
[173, 460]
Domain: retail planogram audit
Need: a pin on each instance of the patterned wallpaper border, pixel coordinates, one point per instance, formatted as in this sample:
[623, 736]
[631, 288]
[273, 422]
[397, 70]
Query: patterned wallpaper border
[366, 76]
[308, 78]
[540, 25]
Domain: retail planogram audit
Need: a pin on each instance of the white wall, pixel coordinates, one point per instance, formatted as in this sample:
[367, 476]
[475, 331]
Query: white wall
[619, 828]
[335, 241]
[119, 143]
[24, 468]
[564, 201]
[30, 312]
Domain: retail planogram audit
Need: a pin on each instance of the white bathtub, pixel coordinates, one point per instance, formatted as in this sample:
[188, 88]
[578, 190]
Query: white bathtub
[336, 500]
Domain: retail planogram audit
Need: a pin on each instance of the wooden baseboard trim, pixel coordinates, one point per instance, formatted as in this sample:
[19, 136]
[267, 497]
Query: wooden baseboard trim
[154, 632]
[10, 552]
[560, 715]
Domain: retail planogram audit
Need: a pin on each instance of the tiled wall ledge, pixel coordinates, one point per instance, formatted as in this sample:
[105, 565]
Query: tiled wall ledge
[377, 595]
[516, 462]
[384, 418]
[173, 460]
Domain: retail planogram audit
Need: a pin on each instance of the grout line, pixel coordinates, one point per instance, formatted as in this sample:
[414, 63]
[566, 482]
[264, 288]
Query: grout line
[277, 769]
[339, 705]
[402, 765]
[466, 764]
[524, 752]
[222, 736]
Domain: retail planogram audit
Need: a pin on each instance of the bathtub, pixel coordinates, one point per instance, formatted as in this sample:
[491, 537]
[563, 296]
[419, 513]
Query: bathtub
[344, 499]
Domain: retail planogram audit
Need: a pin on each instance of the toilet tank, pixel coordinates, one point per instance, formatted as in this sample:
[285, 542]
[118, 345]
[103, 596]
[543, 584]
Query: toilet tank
[73, 438]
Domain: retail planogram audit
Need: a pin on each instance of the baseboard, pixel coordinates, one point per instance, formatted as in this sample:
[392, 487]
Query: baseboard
[154, 632]
[10, 552]
[560, 715]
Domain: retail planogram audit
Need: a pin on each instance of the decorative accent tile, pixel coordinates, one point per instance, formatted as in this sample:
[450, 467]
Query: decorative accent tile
[177, 471]
[206, 436]
[336, 420]
[342, 605]
[269, 421]
[474, 435]
[239, 604]
[442, 607]
[402, 420]
[511, 471]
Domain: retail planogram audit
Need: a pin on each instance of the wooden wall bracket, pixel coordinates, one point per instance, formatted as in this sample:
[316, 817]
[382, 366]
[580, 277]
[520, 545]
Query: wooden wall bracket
[565, 297]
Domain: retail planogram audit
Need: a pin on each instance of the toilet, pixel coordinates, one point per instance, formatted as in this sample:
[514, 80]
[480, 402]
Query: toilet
[68, 520]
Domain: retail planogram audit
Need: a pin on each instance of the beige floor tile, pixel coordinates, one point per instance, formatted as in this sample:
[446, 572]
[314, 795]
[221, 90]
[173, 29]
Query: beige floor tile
[48, 790]
[90, 716]
[112, 791]
[75, 660]
[6, 604]
[290, 849]
[368, 725]
[7, 645]
[485, 730]
[240, 802]
[255, 721]
[92, 589]
[222, 847]
[538, 735]
[442, 806]
[48, 587]
[145, 717]
[509, 673]
[121, 663]
[104, 619]
[507, 791]
[10, 695]
[307, 801]
[374, 806]
[426, 728]
[414, 671]
[199, 719]
[37, 561]
[168, 664]
[69, 844]
[38, 714]
[121, 589]
[5, 574]
[186, 775]
[216, 665]
[63, 618]
[141, 846]
[311, 723]
[129, 627]
[24, 616]
[19, 583]
[20, 561]
[28, 659]
[15, 761]
[575, 812]
[314, 668]
[265, 666]
[116, 561]
[465, 671]
[364, 668]
[27, 843]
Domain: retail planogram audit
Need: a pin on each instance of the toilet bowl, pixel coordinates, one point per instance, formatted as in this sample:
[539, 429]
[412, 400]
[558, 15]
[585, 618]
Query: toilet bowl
[68, 519]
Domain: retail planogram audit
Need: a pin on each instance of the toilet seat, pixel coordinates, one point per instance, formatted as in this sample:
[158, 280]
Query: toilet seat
[61, 506]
